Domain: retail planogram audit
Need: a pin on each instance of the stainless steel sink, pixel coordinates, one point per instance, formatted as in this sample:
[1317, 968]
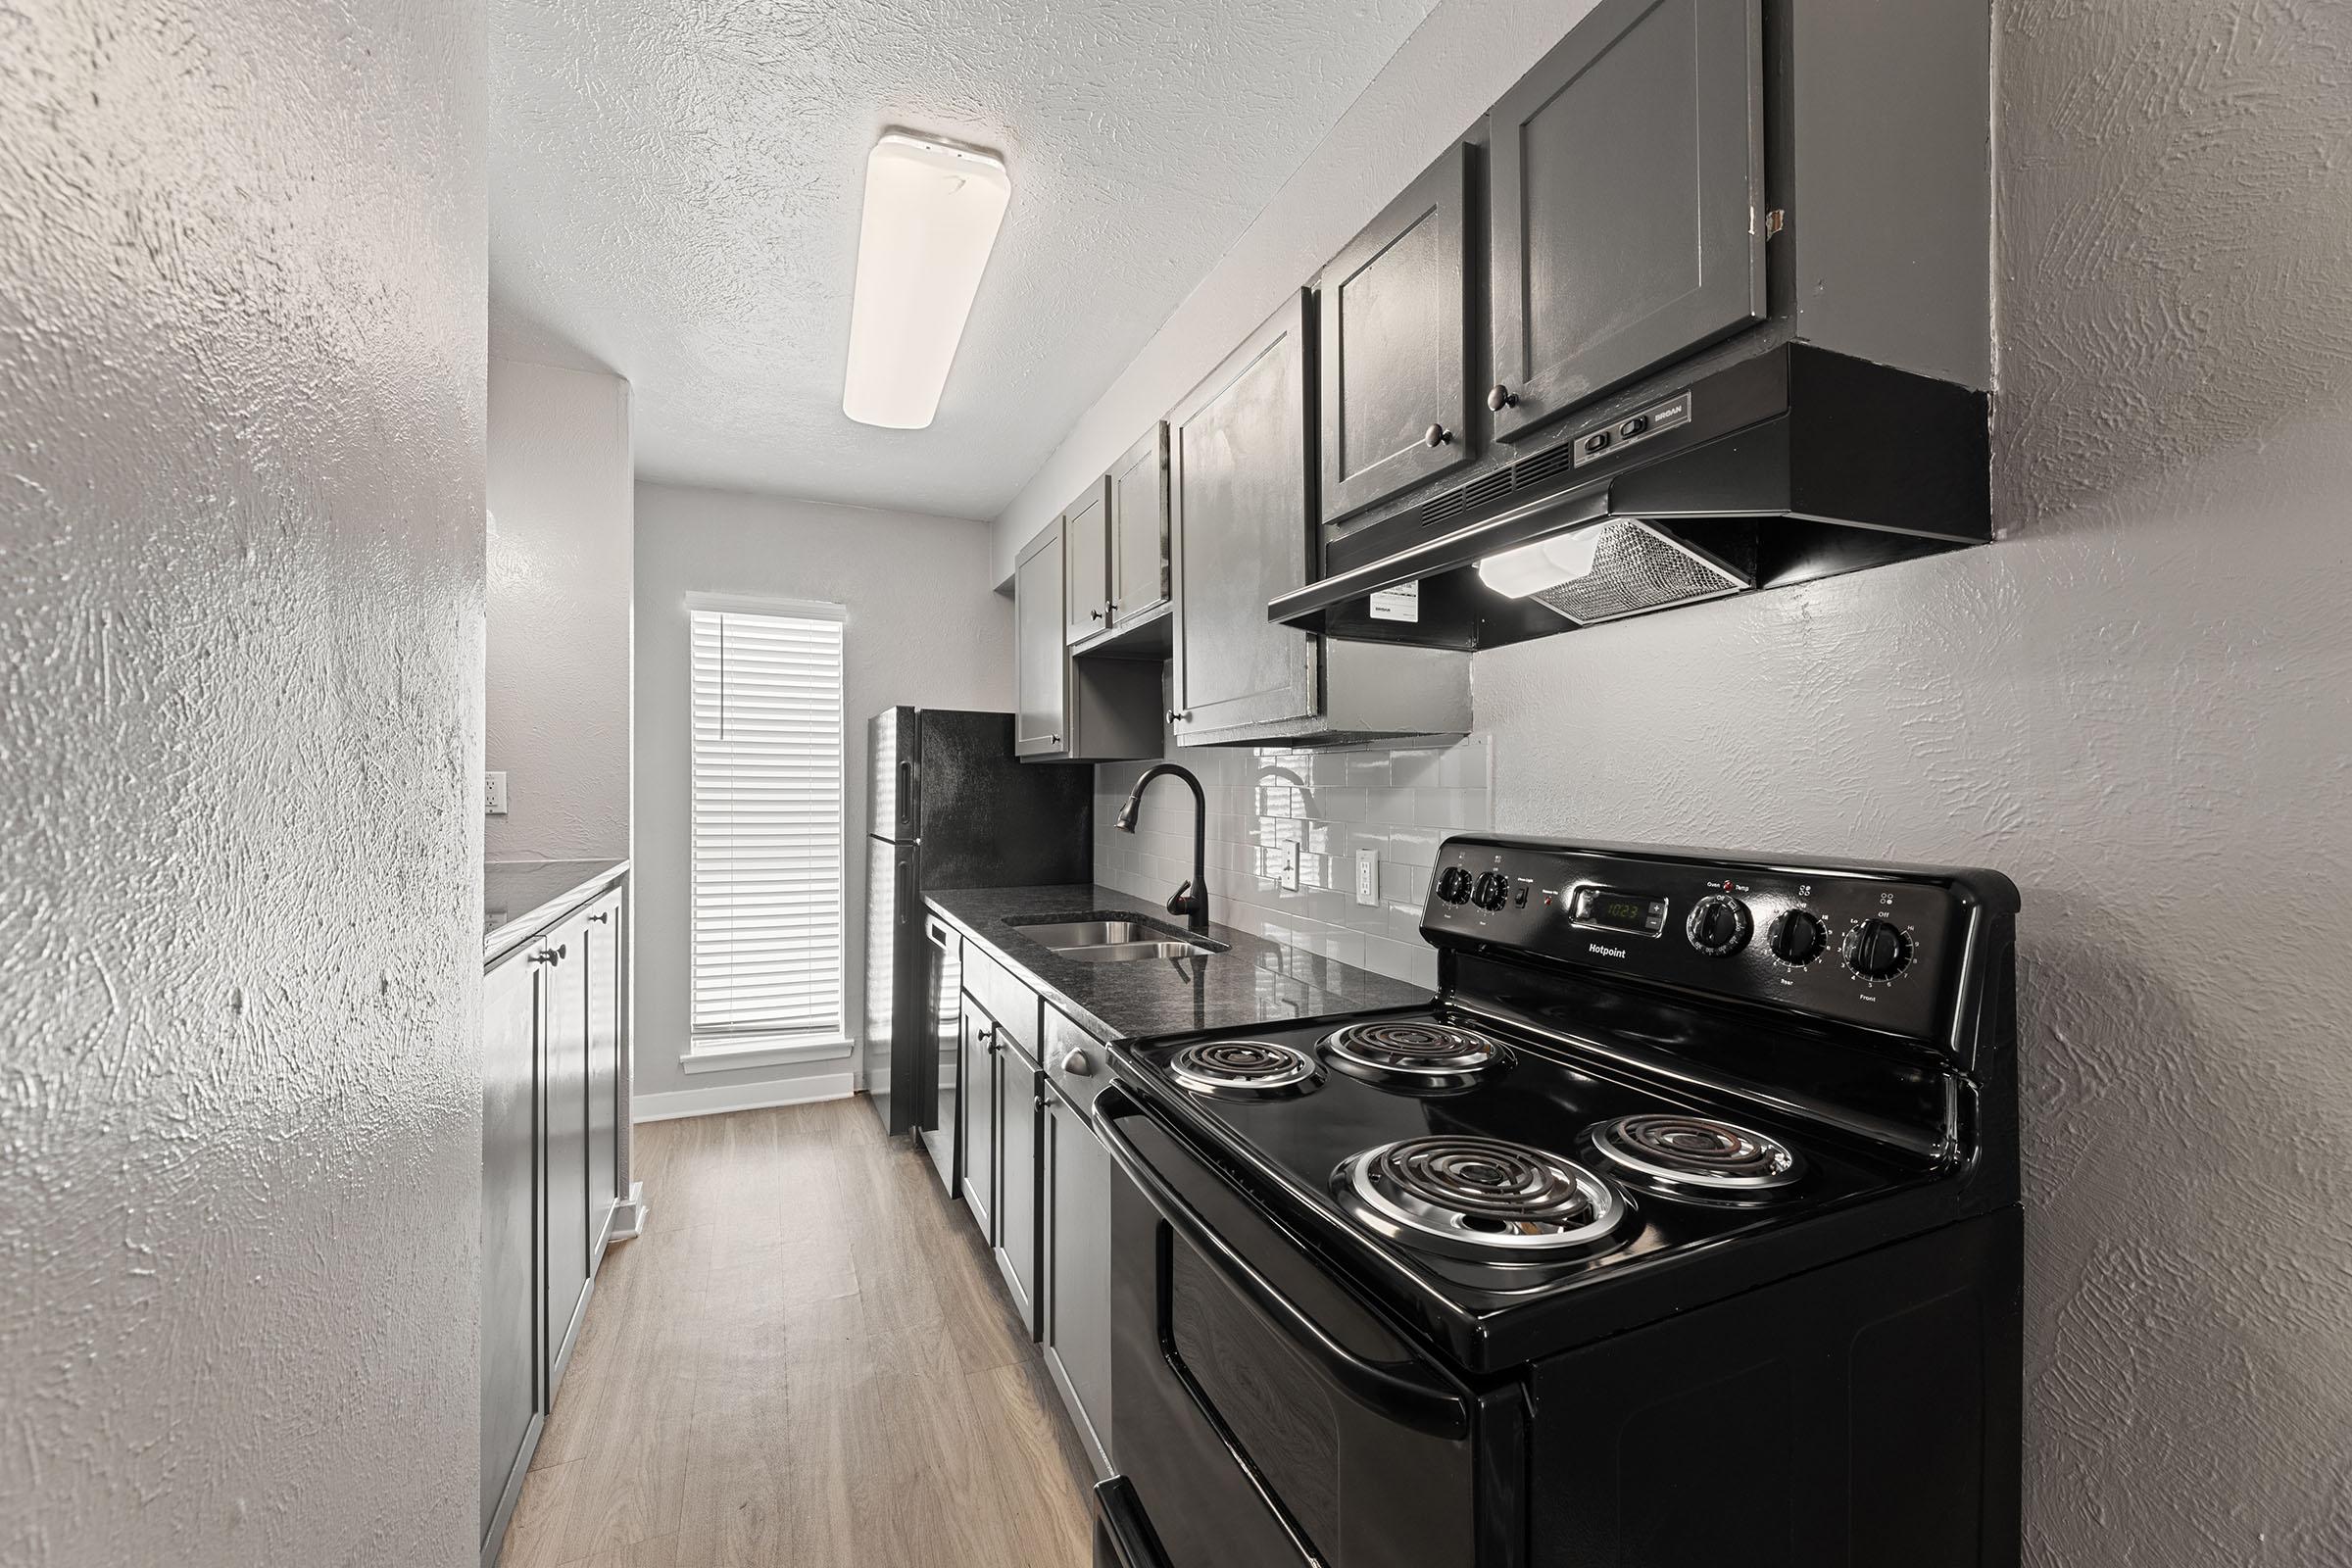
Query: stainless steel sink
[1123, 951]
[1112, 941]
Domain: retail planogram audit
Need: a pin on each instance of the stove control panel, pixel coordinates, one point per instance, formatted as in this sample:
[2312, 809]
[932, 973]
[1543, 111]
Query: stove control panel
[1876, 948]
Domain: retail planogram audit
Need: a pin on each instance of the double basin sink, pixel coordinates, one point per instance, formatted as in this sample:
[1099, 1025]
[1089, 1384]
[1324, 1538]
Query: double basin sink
[1114, 939]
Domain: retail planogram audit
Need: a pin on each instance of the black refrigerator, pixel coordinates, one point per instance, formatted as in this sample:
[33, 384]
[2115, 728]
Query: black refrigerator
[947, 806]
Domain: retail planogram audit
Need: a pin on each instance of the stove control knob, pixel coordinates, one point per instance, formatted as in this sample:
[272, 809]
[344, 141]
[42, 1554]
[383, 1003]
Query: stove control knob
[1797, 937]
[1493, 889]
[1877, 950]
[1453, 885]
[1719, 926]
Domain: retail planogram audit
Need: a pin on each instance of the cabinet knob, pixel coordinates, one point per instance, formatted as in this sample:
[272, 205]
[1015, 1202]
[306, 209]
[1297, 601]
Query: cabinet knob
[554, 954]
[1056, 740]
[1093, 615]
[1501, 398]
[1077, 1065]
[1437, 435]
[601, 917]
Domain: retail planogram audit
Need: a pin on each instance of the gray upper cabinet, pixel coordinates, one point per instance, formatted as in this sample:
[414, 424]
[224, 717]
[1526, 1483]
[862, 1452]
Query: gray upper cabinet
[1139, 530]
[1394, 356]
[1040, 707]
[1241, 471]
[1085, 564]
[1626, 221]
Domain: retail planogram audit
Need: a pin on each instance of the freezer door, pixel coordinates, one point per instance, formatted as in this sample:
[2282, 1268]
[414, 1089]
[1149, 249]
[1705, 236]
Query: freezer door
[893, 948]
[893, 774]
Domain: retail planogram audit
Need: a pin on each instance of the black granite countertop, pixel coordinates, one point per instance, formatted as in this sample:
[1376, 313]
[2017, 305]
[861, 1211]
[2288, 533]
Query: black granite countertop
[522, 896]
[1255, 982]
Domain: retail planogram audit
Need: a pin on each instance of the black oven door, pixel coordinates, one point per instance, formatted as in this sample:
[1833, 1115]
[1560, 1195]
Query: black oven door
[1265, 1417]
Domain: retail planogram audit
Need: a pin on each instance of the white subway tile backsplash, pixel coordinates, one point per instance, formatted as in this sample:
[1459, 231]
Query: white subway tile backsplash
[1400, 802]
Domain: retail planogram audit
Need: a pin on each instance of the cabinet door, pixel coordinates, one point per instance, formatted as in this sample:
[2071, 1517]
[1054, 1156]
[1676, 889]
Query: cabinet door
[1394, 355]
[1018, 1092]
[563, 1101]
[603, 954]
[977, 1109]
[1628, 179]
[1077, 1301]
[509, 1306]
[1041, 666]
[1139, 530]
[1085, 564]
[1241, 471]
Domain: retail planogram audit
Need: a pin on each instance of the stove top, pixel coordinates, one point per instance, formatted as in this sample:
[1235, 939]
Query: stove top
[1488, 1197]
[1651, 1078]
[1422, 1054]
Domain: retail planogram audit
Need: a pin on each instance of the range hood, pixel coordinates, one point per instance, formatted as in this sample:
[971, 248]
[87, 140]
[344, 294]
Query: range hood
[1794, 465]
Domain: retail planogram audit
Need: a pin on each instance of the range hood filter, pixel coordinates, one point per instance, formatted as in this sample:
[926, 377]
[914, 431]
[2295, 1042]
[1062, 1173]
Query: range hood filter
[1637, 568]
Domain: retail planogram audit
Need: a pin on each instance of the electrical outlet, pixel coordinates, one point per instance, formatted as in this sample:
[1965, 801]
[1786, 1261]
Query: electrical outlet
[1289, 862]
[494, 793]
[1367, 876]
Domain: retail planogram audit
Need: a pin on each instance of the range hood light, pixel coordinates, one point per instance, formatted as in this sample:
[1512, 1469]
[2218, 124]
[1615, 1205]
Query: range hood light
[931, 212]
[1546, 564]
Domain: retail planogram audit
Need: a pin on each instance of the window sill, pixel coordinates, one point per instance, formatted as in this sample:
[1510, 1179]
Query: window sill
[765, 1051]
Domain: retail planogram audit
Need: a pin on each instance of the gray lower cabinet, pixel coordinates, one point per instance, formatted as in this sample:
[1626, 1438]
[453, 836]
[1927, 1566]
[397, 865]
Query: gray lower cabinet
[510, 1363]
[602, 953]
[1626, 223]
[1020, 1104]
[1241, 465]
[1074, 1324]
[564, 1112]
[555, 1105]
[977, 1109]
[1393, 359]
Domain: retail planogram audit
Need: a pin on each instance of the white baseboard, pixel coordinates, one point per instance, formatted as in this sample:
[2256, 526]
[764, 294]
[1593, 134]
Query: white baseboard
[759, 1095]
[629, 1216]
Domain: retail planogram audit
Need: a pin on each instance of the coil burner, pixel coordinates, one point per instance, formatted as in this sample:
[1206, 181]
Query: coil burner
[1245, 1069]
[1697, 1156]
[1480, 1198]
[1415, 1053]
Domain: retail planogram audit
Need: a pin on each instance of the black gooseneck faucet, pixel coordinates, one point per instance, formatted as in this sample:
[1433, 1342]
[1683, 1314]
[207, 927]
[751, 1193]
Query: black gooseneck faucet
[1190, 899]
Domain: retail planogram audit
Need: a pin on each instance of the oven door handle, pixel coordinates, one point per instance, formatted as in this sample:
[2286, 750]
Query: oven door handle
[1387, 1389]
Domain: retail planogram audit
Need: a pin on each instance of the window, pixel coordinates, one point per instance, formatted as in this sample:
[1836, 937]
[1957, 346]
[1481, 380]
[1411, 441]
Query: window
[768, 848]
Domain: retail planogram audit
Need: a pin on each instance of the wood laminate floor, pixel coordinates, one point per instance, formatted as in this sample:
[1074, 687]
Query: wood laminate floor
[806, 1361]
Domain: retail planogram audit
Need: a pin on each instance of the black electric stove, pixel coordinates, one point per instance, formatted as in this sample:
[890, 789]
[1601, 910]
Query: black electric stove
[1682, 1225]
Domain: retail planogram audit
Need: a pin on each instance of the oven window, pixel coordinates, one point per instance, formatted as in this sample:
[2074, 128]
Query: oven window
[1268, 1395]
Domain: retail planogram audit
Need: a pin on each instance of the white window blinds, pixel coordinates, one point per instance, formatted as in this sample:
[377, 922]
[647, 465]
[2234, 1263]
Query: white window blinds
[767, 826]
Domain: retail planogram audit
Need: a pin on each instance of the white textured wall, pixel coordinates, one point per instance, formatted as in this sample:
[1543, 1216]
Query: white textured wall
[1461, 59]
[561, 538]
[922, 628]
[241, 384]
[2139, 706]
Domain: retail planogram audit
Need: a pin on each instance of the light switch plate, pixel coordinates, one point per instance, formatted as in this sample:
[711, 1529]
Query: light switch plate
[494, 793]
[1367, 876]
[1289, 862]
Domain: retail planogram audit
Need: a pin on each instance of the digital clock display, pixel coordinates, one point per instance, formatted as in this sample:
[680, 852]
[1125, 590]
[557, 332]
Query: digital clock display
[1613, 910]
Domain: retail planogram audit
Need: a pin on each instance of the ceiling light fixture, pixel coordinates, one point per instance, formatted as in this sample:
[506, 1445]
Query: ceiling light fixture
[931, 211]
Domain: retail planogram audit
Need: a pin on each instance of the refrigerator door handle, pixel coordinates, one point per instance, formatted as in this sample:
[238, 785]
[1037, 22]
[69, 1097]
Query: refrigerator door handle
[906, 792]
[906, 888]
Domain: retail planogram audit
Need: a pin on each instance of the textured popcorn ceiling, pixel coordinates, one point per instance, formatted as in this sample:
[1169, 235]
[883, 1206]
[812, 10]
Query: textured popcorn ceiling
[676, 190]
